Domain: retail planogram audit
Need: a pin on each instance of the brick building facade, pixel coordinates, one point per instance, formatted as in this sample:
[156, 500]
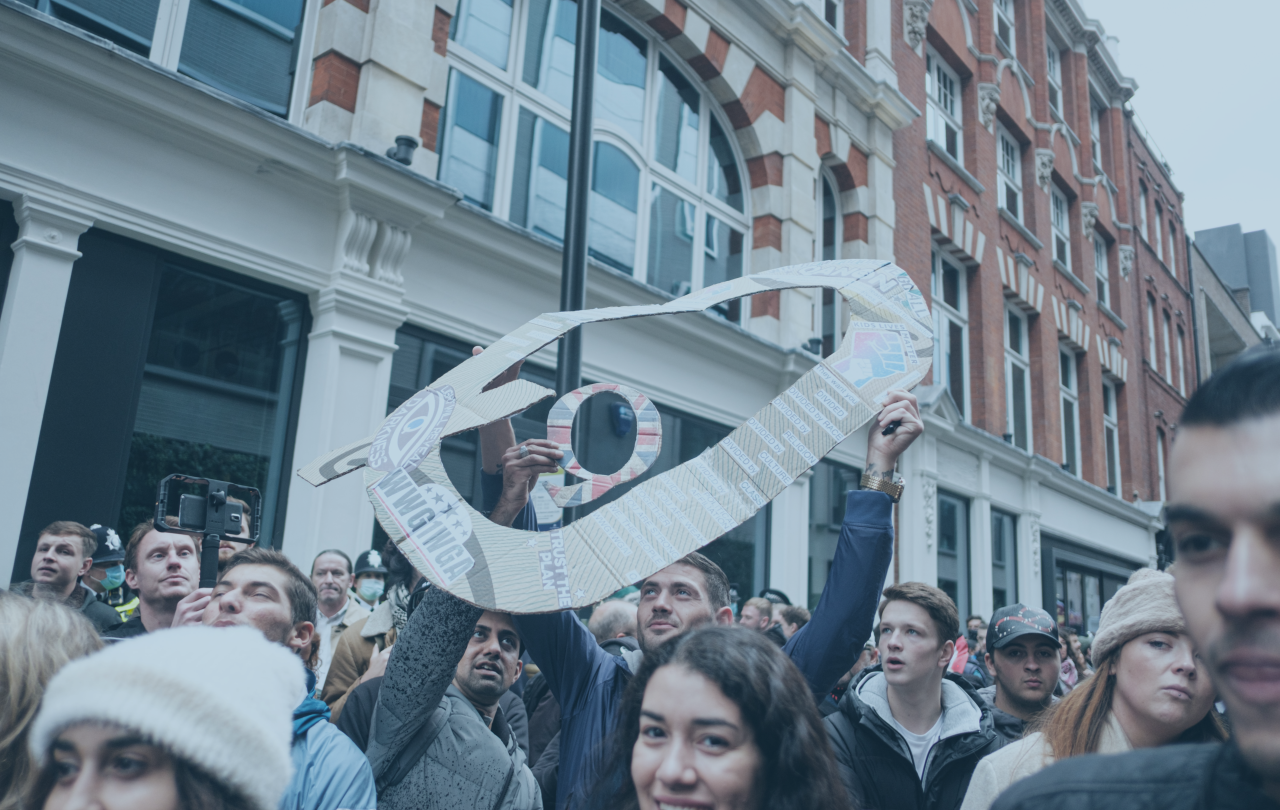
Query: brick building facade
[1051, 239]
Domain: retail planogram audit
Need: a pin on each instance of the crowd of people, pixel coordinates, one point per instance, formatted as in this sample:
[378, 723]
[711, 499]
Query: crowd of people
[123, 684]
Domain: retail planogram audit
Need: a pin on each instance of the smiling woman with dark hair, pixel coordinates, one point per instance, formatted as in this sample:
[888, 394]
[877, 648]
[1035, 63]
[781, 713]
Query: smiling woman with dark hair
[719, 718]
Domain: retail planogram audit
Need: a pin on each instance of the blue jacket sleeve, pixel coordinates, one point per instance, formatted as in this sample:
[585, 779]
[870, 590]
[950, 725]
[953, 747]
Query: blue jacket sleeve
[567, 654]
[330, 773]
[829, 645]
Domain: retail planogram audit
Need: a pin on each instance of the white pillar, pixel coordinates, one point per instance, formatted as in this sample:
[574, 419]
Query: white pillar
[344, 399]
[981, 596]
[48, 234]
[879, 58]
[789, 541]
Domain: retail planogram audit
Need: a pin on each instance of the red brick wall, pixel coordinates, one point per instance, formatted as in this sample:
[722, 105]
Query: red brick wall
[337, 80]
[1126, 160]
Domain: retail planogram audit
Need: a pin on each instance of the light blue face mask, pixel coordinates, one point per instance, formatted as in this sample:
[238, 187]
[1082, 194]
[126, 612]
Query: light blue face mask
[114, 578]
[371, 589]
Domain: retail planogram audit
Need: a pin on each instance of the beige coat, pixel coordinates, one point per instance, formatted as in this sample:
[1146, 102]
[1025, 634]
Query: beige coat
[1021, 759]
[352, 654]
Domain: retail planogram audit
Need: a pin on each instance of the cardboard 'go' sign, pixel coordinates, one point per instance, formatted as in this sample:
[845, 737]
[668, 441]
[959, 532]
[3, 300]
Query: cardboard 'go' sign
[888, 344]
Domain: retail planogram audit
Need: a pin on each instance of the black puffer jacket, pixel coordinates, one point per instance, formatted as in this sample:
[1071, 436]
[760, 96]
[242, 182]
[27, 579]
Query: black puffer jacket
[1206, 776]
[875, 763]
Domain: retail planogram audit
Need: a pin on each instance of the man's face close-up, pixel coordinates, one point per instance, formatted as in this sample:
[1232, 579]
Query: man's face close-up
[752, 618]
[492, 660]
[672, 601]
[332, 579]
[1027, 669]
[1223, 514]
[167, 567]
[254, 596]
[59, 561]
[910, 649]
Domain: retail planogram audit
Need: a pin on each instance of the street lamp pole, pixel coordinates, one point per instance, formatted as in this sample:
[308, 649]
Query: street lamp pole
[573, 269]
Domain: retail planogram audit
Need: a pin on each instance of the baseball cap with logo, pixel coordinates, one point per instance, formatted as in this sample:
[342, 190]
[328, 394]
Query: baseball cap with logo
[110, 549]
[1018, 620]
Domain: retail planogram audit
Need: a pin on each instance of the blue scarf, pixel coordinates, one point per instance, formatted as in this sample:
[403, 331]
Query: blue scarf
[310, 711]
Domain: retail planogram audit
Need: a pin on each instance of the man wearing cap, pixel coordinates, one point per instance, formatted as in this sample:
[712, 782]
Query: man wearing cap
[106, 575]
[335, 610]
[1024, 658]
[370, 578]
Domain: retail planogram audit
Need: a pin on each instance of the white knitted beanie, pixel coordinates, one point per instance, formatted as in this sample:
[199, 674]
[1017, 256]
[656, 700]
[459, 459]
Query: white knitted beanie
[222, 699]
[1145, 605]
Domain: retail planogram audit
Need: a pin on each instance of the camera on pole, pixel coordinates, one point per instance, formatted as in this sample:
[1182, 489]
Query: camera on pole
[212, 515]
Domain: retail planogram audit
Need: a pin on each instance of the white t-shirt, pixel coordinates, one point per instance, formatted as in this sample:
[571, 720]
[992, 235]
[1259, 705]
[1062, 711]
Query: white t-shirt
[920, 744]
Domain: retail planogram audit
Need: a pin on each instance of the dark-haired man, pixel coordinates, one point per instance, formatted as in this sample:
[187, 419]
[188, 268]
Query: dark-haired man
[438, 736]
[910, 733]
[261, 588]
[691, 592]
[64, 554]
[1223, 514]
[1024, 657]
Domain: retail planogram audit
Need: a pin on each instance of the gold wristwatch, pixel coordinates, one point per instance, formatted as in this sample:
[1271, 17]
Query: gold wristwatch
[890, 488]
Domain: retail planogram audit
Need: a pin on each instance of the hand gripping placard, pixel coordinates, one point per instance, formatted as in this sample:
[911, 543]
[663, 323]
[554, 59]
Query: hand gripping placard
[888, 344]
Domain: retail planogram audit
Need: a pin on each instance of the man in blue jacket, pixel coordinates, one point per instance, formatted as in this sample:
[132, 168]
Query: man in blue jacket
[261, 588]
[589, 682]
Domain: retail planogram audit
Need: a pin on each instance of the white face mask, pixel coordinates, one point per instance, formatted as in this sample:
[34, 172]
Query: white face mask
[371, 589]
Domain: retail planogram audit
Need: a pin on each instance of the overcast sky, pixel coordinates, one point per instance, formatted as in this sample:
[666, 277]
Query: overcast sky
[1207, 96]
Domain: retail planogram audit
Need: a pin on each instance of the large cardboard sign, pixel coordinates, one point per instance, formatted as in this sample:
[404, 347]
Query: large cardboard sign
[889, 344]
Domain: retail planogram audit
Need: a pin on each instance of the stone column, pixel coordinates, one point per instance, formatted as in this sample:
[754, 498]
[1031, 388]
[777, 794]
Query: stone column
[43, 255]
[344, 398]
[789, 541]
[981, 598]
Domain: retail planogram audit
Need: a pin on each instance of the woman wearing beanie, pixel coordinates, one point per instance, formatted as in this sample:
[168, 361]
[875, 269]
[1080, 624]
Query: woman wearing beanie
[1147, 690]
[195, 718]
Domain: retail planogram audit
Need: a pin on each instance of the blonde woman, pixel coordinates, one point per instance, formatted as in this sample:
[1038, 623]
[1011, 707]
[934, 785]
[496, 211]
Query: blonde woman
[37, 637]
[1148, 690]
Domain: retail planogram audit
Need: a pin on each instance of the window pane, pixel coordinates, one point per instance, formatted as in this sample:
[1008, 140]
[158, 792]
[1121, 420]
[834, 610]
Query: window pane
[1113, 469]
[722, 261]
[216, 390]
[549, 47]
[484, 28]
[1015, 333]
[671, 225]
[471, 139]
[615, 191]
[1004, 557]
[244, 48]
[677, 147]
[951, 286]
[1069, 435]
[1075, 601]
[953, 549]
[128, 23]
[1092, 601]
[828, 222]
[955, 363]
[620, 76]
[723, 180]
[1019, 384]
[541, 176]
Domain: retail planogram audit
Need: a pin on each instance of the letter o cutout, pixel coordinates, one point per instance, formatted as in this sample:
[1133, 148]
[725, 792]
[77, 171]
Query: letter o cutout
[593, 485]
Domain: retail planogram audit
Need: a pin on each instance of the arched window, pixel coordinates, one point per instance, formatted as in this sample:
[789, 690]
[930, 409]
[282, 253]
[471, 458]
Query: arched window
[667, 198]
